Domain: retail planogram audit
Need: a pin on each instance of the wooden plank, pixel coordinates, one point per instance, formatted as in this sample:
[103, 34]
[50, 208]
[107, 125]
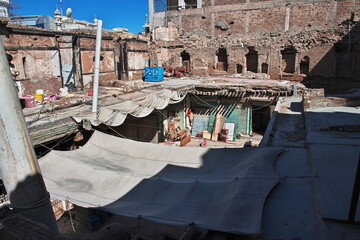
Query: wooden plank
[219, 122]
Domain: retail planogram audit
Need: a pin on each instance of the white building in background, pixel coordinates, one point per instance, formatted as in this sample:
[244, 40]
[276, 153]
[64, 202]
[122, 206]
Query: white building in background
[121, 29]
[4, 8]
[68, 23]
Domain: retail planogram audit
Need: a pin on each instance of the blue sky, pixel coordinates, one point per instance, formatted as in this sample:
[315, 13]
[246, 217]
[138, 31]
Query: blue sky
[114, 13]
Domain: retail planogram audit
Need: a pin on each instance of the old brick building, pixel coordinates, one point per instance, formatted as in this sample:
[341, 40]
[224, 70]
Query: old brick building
[48, 59]
[290, 40]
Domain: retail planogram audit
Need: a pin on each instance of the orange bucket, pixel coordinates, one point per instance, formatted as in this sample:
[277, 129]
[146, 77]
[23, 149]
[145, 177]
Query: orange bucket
[39, 96]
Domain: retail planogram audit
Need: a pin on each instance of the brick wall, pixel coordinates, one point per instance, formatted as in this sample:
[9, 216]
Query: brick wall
[262, 24]
[235, 20]
[228, 2]
[270, 19]
[45, 58]
[312, 15]
[192, 23]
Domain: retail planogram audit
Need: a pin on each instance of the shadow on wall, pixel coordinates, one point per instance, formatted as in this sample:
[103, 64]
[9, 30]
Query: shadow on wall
[339, 69]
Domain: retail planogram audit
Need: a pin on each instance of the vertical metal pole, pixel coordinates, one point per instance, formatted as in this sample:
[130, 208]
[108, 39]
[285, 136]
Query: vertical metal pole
[151, 14]
[19, 169]
[181, 4]
[198, 3]
[294, 90]
[97, 66]
[248, 121]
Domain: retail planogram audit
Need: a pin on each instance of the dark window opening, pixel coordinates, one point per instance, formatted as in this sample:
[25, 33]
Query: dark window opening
[304, 65]
[162, 5]
[239, 68]
[265, 68]
[24, 67]
[252, 60]
[190, 3]
[101, 58]
[2, 191]
[288, 60]
[222, 60]
[260, 119]
[147, 30]
[185, 57]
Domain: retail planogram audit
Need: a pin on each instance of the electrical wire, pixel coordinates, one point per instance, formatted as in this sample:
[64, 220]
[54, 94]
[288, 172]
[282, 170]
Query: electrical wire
[266, 105]
[71, 220]
[64, 139]
[117, 132]
[207, 104]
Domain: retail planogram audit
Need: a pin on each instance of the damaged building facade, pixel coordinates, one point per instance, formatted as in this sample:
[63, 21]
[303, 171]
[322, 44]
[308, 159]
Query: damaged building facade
[309, 41]
[283, 40]
[50, 60]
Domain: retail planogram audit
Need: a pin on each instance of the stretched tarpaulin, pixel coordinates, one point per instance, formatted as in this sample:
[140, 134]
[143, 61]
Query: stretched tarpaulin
[115, 115]
[218, 189]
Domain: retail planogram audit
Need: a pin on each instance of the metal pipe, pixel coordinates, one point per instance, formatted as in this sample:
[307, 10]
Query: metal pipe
[97, 66]
[248, 121]
[151, 13]
[19, 168]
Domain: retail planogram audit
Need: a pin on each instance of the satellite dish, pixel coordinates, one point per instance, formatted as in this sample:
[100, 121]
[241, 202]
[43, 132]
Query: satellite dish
[68, 13]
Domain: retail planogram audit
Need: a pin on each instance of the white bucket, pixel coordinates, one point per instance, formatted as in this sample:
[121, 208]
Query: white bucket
[39, 91]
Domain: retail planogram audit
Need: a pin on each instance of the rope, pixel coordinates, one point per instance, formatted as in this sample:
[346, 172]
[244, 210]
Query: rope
[207, 104]
[71, 220]
[64, 139]
[117, 132]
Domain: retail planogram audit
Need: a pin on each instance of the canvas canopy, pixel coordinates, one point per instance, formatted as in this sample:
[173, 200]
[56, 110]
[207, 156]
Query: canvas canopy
[115, 114]
[218, 189]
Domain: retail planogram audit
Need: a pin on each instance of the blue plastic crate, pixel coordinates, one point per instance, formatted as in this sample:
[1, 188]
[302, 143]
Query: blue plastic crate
[154, 74]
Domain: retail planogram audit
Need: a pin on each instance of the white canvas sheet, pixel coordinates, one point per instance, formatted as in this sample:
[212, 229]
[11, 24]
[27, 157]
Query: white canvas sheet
[218, 189]
[115, 114]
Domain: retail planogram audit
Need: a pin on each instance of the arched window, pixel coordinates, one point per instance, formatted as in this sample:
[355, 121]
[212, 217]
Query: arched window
[239, 68]
[252, 60]
[265, 68]
[304, 65]
[288, 60]
[222, 59]
[24, 65]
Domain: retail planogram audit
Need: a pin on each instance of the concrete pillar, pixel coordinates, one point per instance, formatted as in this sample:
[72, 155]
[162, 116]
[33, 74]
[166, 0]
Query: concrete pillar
[247, 21]
[181, 4]
[97, 66]
[212, 20]
[212, 2]
[19, 168]
[180, 22]
[333, 15]
[199, 3]
[287, 17]
[151, 13]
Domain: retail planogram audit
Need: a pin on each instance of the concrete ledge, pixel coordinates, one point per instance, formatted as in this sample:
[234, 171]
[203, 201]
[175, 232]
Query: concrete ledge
[266, 137]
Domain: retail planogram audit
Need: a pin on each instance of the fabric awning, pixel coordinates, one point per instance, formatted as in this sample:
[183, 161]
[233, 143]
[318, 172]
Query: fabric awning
[217, 189]
[115, 114]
